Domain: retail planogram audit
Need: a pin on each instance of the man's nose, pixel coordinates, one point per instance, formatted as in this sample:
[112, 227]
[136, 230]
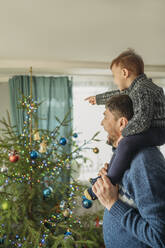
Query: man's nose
[102, 123]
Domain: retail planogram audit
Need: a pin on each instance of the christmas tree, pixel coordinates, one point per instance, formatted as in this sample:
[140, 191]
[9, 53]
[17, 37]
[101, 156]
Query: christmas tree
[38, 196]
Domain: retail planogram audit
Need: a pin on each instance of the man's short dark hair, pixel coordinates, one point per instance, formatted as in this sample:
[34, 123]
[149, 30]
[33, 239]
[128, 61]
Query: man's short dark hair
[120, 106]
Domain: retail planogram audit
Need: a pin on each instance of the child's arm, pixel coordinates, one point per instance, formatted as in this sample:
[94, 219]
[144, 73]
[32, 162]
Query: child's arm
[101, 98]
[143, 106]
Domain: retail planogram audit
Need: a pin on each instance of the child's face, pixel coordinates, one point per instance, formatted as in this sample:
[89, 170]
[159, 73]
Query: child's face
[119, 76]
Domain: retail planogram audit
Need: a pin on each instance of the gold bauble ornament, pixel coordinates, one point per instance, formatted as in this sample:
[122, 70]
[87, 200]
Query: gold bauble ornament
[96, 150]
[36, 135]
[43, 147]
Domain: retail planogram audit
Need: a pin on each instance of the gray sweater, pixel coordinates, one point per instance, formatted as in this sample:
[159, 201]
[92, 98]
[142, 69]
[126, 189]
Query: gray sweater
[148, 104]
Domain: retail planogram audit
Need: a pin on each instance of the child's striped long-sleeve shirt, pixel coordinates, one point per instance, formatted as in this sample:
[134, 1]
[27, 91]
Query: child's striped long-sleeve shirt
[148, 104]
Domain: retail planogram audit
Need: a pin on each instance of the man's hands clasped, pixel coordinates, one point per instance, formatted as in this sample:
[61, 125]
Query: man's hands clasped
[106, 192]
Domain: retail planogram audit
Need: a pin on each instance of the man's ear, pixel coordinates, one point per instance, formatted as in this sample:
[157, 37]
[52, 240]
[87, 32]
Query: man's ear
[123, 123]
[125, 73]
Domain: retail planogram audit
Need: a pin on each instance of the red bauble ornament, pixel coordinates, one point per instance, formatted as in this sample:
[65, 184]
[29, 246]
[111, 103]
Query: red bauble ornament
[97, 222]
[13, 158]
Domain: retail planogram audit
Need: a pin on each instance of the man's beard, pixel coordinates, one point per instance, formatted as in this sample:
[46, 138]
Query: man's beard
[111, 140]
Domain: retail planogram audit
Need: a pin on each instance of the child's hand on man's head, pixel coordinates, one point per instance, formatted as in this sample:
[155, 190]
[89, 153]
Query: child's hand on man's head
[91, 99]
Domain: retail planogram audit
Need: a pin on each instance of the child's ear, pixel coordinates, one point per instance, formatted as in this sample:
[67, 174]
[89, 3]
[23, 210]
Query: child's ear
[125, 73]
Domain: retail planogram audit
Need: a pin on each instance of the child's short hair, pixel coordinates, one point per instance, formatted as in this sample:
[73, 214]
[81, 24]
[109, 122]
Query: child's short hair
[129, 60]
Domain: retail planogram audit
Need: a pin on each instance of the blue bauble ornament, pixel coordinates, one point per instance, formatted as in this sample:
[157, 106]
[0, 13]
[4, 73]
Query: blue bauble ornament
[83, 197]
[47, 192]
[86, 203]
[33, 154]
[63, 141]
[68, 235]
[75, 135]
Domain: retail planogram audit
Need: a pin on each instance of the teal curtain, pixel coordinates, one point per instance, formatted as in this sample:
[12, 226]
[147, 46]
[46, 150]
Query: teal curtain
[54, 92]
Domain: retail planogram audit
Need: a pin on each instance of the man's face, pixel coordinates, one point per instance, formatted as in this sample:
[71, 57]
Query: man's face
[111, 126]
[118, 76]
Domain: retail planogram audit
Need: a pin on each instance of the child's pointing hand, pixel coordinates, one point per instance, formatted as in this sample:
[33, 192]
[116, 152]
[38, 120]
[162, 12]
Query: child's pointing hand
[91, 99]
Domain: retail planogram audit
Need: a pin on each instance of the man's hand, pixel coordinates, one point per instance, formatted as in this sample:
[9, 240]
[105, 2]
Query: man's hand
[91, 99]
[103, 171]
[106, 192]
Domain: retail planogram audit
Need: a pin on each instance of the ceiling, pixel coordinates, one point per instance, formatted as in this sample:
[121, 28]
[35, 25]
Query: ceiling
[79, 36]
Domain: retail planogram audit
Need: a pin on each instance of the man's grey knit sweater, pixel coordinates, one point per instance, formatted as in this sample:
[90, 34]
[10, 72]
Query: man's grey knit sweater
[148, 104]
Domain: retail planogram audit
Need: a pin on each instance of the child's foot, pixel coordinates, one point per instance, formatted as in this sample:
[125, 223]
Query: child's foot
[93, 180]
[89, 194]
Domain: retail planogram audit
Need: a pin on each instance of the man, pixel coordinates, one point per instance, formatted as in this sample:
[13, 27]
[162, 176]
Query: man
[147, 126]
[134, 214]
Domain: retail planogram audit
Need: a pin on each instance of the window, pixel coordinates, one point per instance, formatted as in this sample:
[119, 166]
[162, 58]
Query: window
[87, 121]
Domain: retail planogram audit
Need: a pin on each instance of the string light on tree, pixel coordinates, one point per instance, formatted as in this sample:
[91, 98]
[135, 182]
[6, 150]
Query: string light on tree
[4, 205]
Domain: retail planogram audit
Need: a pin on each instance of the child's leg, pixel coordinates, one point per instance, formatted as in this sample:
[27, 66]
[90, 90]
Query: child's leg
[89, 194]
[127, 148]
